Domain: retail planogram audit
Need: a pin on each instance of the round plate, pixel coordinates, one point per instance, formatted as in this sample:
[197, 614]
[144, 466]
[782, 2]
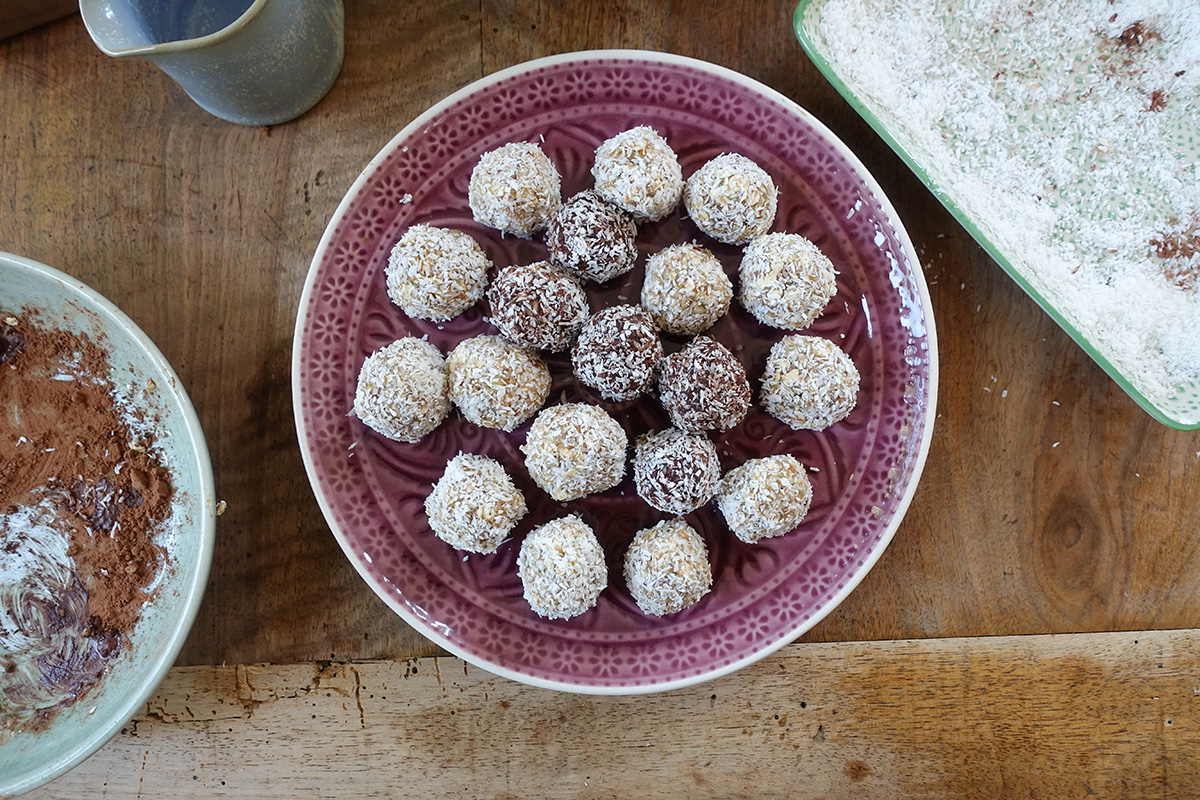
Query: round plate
[28, 759]
[864, 469]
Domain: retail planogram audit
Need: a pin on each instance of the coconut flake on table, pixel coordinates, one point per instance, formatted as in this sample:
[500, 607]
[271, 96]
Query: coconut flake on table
[1044, 127]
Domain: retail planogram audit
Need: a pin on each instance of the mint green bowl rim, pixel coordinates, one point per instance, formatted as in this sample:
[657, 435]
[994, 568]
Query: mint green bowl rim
[808, 41]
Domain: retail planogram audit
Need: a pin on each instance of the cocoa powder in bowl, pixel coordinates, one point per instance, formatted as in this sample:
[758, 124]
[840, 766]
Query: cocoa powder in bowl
[82, 498]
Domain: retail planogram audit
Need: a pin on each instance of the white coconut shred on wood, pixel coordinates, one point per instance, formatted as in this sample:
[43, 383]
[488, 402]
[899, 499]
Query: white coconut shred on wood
[1068, 130]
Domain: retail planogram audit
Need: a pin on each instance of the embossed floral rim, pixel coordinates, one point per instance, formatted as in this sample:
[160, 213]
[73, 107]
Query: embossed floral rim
[561, 669]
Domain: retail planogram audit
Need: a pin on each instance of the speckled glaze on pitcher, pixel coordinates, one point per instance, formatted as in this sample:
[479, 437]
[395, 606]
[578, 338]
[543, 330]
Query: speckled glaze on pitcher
[253, 62]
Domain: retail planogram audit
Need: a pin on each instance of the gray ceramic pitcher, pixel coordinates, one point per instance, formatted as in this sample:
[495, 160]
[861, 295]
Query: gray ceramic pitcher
[253, 62]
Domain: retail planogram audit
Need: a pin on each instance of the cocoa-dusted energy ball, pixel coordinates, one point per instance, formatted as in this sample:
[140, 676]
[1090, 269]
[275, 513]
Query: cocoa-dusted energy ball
[436, 273]
[732, 199]
[675, 471]
[402, 390]
[786, 281]
[809, 383]
[562, 569]
[592, 239]
[475, 505]
[515, 189]
[685, 289]
[703, 387]
[538, 305]
[638, 171]
[495, 383]
[666, 568]
[575, 449]
[765, 497]
[617, 351]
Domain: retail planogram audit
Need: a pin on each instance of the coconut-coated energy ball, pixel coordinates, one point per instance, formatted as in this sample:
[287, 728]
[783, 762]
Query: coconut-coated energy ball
[574, 450]
[617, 351]
[495, 383]
[515, 189]
[703, 387]
[402, 390]
[786, 281]
[809, 383]
[731, 198]
[765, 497]
[436, 273]
[667, 568]
[675, 471]
[562, 569]
[538, 305]
[638, 171]
[474, 505]
[592, 239]
[685, 289]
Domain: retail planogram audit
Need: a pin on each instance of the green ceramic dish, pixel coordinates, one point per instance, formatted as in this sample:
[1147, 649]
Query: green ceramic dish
[30, 759]
[1179, 409]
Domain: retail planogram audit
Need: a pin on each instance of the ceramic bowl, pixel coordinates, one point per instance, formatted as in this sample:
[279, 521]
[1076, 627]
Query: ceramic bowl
[864, 469]
[28, 759]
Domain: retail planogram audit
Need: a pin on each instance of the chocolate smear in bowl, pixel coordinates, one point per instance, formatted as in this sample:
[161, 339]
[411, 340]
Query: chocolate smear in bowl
[82, 498]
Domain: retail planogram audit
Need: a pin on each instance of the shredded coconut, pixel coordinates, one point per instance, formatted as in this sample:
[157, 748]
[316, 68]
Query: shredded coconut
[515, 189]
[436, 273]
[704, 387]
[617, 351]
[786, 281]
[809, 383]
[574, 450]
[495, 383]
[731, 198]
[638, 171]
[474, 505]
[402, 391]
[538, 305]
[562, 568]
[685, 289]
[675, 471]
[666, 568]
[765, 497]
[592, 239]
[1066, 129]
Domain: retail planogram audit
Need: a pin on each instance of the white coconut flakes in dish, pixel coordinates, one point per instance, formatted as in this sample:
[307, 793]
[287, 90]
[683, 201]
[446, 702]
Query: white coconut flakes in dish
[1066, 129]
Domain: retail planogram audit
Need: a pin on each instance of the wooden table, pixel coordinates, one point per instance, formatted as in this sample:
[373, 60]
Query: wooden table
[1050, 504]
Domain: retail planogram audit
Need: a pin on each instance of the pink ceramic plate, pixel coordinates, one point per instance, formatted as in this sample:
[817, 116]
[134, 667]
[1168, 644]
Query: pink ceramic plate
[865, 469]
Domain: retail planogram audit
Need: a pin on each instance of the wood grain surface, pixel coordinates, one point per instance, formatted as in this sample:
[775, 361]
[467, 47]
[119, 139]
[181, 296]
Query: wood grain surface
[1112, 715]
[1050, 502]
